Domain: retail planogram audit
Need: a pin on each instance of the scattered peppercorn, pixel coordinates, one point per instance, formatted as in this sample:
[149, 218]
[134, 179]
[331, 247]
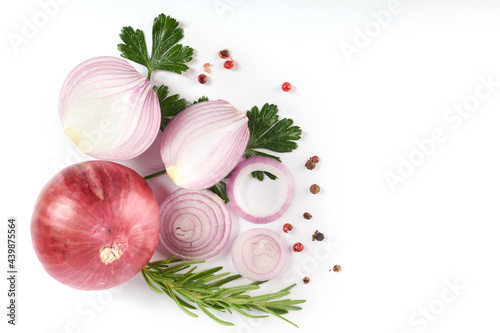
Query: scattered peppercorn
[310, 165]
[202, 78]
[298, 247]
[315, 159]
[287, 227]
[206, 68]
[224, 53]
[337, 268]
[307, 216]
[318, 236]
[314, 188]
[286, 86]
[228, 64]
[305, 280]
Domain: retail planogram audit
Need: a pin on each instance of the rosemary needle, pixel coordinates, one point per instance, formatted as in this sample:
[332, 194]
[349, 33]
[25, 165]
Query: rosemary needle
[204, 290]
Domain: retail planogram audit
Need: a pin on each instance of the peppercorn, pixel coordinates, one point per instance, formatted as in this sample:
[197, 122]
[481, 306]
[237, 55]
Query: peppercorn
[228, 64]
[315, 159]
[307, 216]
[224, 53]
[305, 280]
[206, 68]
[202, 78]
[310, 165]
[286, 86]
[314, 188]
[287, 227]
[337, 268]
[318, 236]
[298, 247]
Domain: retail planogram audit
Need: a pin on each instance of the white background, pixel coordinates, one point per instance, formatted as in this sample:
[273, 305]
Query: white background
[419, 257]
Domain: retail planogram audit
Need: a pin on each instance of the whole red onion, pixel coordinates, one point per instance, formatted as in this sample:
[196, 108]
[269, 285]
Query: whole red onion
[95, 225]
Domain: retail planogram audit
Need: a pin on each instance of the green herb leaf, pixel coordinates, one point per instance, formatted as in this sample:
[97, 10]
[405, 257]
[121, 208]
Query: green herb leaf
[268, 132]
[201, 99]
[169, 105]
[166, 53]
[163, 277]
[220, 190]
[134, 47]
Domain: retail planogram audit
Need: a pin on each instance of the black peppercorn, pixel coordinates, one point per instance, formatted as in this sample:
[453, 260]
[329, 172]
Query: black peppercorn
[318, 236]
[314, 188]
[310, 165]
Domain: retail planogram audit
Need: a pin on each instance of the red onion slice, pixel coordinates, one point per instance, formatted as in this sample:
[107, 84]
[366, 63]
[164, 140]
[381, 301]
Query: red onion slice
[259, 254]
[194, 225]
[237, 201]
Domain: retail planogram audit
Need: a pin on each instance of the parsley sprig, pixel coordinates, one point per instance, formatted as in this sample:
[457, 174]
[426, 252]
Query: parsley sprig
[205, 290]
[269, 132]
[166, 53]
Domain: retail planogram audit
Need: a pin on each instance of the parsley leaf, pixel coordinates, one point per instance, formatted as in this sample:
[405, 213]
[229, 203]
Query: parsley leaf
[201, 99]
[268, 132]
[135, 48]
[169, 105]
[166, 53]
[220, 190]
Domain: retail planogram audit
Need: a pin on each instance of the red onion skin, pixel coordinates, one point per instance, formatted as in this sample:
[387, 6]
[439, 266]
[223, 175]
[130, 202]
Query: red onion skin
[89, 206]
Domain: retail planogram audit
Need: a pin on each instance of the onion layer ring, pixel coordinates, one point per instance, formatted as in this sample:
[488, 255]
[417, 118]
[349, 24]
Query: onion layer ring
[194, 225]
[237, 202]
[259, 254]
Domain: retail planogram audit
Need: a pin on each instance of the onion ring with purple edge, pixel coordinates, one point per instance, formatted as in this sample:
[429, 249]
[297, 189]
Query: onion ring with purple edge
[194, 225]
[237, 202]
[259, 254]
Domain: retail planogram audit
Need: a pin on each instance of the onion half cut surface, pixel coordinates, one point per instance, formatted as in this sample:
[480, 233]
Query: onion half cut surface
[203, 143]
[194, 225]
[259, 254]
[234, 188]
[109, 110]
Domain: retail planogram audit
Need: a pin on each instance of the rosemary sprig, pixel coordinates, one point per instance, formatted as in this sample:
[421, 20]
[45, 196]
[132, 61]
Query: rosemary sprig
[204, 290]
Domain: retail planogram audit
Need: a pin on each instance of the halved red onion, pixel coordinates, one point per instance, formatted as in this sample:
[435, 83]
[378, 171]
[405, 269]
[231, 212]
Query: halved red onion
[203, 143]
[259, 254]
[194, 225]
[109, 110]
[234, 184]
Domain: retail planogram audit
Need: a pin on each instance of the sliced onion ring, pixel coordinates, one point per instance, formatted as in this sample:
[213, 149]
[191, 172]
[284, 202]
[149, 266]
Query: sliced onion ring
[237, 202]
[259, 254]
[194, 225]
